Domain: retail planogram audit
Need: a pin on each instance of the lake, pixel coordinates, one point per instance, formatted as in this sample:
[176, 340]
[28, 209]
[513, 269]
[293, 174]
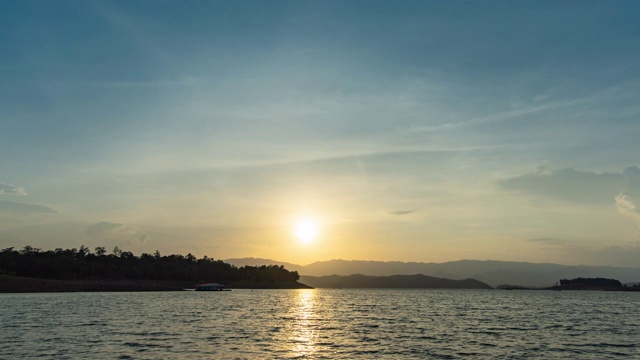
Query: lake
[322, 323]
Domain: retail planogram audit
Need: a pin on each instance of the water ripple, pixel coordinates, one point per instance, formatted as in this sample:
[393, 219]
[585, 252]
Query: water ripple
[321, 324]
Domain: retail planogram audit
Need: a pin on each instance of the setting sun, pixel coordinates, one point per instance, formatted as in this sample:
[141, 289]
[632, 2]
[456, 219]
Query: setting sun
[306, 230]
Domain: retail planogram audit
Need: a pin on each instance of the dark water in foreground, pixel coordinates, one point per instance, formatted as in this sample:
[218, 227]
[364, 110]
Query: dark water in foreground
[281, 324]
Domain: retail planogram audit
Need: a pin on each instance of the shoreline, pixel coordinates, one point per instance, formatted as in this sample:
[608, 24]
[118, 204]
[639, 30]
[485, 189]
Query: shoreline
[18, 284]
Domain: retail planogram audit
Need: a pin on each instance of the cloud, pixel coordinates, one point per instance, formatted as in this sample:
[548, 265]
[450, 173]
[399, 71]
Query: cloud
[402, 212]
[627, 207]
[101, 228]
[147, 84]
[106, 229]
[21, 208]
[8, 189]
[551, 241]
[574, 185]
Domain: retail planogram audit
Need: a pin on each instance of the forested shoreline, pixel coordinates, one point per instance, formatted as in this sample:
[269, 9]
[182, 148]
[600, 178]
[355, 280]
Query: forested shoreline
[83, 264]
[580, 283]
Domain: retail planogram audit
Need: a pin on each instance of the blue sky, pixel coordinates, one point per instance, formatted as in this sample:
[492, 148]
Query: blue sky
[413, 131]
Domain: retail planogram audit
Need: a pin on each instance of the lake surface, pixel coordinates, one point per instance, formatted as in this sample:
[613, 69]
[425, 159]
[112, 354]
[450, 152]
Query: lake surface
[349, 324]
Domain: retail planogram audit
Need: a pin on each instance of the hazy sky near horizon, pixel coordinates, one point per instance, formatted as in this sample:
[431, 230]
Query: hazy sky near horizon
[410, 130]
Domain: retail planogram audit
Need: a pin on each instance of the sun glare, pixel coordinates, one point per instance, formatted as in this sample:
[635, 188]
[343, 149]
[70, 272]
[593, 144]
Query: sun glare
[306, 230]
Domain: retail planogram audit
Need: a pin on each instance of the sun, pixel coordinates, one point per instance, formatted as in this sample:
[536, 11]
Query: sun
[306, 230]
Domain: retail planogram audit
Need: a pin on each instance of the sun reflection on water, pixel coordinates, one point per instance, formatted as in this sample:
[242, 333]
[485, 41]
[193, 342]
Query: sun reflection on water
[303, 328]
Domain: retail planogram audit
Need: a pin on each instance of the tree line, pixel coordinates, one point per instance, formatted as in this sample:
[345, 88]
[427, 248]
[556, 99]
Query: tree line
[82, 264]
[591, 282]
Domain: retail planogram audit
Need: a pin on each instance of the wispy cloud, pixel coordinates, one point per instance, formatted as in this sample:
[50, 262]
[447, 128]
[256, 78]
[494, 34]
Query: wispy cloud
[542, 104]
[501, 116]
[573, 185]
[336, 156]
[551, 241]
[627, 207]
[148, 84]
[21, 208]
[402, 212]
[8, 189]
[109, 230]
[102, 228]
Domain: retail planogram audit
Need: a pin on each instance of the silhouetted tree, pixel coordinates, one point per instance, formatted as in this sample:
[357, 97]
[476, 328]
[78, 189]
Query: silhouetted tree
[590, 283]
[100, 250]
[82, 264]
[116, 251]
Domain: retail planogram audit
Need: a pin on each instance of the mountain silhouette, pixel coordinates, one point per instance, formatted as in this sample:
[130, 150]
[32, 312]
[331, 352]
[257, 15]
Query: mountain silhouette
[491, 272]
[393, 281]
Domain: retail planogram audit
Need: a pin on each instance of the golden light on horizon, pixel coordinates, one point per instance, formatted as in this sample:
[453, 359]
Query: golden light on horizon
[306, 230]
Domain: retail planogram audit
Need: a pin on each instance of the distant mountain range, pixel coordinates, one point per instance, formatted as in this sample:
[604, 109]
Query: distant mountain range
[491, 272]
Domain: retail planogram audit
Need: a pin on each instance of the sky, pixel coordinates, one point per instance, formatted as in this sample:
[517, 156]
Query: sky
[405, 130]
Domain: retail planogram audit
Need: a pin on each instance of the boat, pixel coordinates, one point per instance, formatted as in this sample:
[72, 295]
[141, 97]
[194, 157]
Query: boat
[211, 287]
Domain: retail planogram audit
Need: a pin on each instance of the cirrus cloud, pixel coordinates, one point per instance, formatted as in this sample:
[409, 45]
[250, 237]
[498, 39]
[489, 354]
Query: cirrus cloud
[627, 207]
[106, 229]
[8, 189]
[573, 185]
[402, 212]
[22, 208]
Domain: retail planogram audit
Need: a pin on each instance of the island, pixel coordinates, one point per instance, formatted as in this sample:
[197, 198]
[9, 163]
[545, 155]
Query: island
[580, 283]
[593, 284]
[78, 269]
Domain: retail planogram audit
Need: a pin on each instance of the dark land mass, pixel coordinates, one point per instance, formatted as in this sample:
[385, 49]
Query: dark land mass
[394, 281]
[593, 288]
[580, 283]
[562, 288]
[18, 284]
[34, 270]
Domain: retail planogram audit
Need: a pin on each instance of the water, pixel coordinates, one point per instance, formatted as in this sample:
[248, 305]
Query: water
[331, 324]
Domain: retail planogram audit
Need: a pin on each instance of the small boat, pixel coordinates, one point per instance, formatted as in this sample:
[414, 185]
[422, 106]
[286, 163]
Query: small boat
[211, 287]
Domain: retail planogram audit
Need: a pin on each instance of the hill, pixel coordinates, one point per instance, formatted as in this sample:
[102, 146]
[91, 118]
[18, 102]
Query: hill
[491, 272]
[394, 281]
